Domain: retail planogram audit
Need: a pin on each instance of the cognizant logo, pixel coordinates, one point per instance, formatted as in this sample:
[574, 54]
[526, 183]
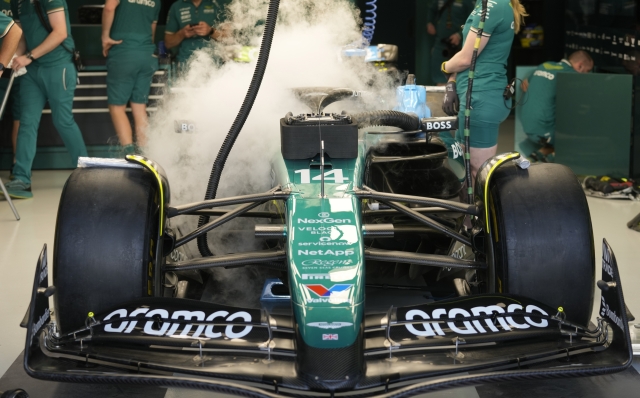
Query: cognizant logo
[154, 328]
[474, 327]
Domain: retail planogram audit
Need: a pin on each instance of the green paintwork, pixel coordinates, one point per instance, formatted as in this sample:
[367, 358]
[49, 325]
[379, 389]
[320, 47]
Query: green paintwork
[325, 241]
[324, 238]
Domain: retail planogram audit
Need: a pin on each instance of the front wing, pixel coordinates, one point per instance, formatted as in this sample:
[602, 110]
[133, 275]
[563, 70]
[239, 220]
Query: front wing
[251, 352]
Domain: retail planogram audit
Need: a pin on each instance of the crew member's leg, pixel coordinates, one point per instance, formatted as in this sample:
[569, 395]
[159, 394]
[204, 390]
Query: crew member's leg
[60, 83]
[489, 110]
[120, 81]
[14, 104]
[141, 122]
[32, 100]
[140, 97]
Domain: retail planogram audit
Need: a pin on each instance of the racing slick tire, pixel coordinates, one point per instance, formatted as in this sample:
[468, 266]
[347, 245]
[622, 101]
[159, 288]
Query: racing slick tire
[542, 238]
[104, 242]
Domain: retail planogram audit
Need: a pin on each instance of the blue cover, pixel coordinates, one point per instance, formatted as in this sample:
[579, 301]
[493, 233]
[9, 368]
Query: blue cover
[412, 99]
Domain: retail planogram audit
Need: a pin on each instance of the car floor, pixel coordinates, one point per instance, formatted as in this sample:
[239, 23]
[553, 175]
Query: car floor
[21, 242]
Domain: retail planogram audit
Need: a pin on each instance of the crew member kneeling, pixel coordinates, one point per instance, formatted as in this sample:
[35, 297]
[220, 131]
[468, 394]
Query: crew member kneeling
[539, 109]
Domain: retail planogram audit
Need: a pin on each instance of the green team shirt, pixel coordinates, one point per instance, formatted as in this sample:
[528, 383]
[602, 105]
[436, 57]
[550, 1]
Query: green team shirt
[5, 8]
[132, 24]
[34, 33]
[491, 65]
[183, 13]
[5, 18]
[538, 114]
[451, 19]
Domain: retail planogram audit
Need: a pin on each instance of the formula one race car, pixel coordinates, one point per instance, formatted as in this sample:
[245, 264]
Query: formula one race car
[377, 277]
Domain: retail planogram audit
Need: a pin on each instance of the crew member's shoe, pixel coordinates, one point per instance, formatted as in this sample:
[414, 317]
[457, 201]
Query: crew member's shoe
[131, 149]
[18, 189]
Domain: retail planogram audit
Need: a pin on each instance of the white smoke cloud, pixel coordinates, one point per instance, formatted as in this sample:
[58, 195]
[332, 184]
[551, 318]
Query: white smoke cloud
[305, 52]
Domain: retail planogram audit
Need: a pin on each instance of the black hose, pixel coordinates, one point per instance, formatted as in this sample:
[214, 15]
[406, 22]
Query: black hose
[241, 118]
[387, 118]
[19, 393]
[467, 114]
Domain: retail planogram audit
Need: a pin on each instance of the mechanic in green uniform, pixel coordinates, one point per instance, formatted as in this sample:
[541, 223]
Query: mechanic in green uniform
[190, 26]
[445, 19]
[13, 103]
[538, 114]
[51, 76]
[128, 29]
[503, 20]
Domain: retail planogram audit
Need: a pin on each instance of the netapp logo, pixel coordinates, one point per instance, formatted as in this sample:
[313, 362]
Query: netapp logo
[437, 126]
[170, 329]
[148, 3]
[324, 221]
[326, 253]
[474, 327]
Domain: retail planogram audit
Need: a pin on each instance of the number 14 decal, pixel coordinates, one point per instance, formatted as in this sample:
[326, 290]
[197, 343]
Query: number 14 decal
[336, 176]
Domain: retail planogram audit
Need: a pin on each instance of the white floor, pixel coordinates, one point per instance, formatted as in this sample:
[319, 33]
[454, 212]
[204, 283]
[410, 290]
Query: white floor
[21, 242]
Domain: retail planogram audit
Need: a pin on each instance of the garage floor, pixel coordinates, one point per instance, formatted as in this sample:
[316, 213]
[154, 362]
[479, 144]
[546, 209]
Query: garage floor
[21, 242]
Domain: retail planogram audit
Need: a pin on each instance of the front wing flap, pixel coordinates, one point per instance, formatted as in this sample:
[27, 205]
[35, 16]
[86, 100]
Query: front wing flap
[470, 340]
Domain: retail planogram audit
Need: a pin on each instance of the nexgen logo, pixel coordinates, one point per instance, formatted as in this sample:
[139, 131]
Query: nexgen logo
[154, 328]
[474, 327]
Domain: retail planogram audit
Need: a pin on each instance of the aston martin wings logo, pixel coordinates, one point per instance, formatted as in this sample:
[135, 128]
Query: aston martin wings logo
[329, 325]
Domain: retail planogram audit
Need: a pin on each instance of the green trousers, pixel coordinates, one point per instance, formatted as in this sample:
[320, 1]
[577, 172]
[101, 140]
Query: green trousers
[57, 85]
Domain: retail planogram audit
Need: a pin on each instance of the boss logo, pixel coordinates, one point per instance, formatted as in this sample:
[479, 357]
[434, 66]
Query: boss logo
[437, 126]
[154, 328]
[456, 149]
[184, 126]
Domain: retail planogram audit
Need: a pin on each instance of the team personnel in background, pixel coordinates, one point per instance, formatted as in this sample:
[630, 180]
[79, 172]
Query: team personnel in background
[504, 19]
[46, 51]
[128, 29]
[539, 109]
[14, 97]
[190, 27]
[445, 19]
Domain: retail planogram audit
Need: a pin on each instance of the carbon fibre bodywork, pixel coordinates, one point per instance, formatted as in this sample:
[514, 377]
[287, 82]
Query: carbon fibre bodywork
[461, 341]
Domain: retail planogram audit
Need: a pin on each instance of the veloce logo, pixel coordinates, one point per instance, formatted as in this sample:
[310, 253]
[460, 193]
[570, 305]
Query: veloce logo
[322, 291]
